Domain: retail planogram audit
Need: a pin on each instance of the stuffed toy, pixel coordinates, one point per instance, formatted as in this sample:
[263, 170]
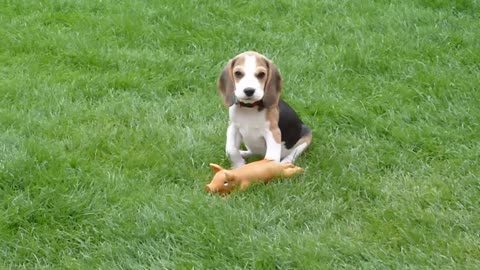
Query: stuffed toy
[264, 170]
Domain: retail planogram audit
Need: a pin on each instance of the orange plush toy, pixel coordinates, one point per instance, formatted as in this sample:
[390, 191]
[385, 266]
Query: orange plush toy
[265, 170]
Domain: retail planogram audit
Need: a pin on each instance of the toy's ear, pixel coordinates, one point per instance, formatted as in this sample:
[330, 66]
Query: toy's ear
[215, 167]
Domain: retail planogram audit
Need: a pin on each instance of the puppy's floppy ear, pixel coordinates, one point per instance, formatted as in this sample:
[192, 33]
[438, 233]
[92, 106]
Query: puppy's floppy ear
[226, 85]
[273, 86]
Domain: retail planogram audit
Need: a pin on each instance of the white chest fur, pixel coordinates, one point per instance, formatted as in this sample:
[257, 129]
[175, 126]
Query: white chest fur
[252, 126]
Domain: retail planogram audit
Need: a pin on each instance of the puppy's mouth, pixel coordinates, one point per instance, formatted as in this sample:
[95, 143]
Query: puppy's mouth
[250, 104]
[247, 100]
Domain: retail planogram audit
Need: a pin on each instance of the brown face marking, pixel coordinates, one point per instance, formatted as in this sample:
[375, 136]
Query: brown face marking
[261, 71]
[238, 70]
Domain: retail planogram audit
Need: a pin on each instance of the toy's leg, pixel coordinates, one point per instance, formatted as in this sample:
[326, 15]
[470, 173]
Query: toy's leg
[244, 185]
[289, 169]
[292, 171]
[287, 165]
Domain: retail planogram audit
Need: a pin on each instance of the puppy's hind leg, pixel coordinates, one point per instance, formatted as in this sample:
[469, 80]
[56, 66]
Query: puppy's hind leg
[299, 147]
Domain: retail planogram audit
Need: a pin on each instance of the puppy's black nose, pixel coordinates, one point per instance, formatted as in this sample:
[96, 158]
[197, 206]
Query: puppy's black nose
[249, 91]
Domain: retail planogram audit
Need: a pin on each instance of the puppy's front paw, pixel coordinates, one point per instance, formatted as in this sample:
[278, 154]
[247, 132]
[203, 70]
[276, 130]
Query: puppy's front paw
[246, 153]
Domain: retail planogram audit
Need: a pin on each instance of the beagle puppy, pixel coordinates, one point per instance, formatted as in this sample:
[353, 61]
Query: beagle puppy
[250, 86]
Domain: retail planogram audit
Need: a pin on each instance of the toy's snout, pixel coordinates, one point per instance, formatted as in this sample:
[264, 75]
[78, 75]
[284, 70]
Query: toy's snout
[209, 188]
[219, 184]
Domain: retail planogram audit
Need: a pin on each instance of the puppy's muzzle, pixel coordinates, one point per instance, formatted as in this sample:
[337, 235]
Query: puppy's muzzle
[249, 91]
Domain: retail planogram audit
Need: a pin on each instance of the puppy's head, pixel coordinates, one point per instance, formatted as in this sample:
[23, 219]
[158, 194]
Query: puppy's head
[250, 77]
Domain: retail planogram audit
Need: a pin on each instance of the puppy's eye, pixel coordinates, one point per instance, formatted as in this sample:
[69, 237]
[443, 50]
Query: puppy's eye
[225, 183]
[238, 74]
[261, 75]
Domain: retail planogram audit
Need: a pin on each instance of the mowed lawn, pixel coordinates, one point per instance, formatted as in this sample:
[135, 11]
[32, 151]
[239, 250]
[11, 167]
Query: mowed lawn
[109, 116]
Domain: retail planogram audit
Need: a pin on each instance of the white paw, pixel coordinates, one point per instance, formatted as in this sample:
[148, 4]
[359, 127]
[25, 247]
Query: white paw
[245, 154]
[286, 160]
[237, 164]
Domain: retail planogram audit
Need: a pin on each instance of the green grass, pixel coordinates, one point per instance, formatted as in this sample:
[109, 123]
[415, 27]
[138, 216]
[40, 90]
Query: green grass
[109, 116]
